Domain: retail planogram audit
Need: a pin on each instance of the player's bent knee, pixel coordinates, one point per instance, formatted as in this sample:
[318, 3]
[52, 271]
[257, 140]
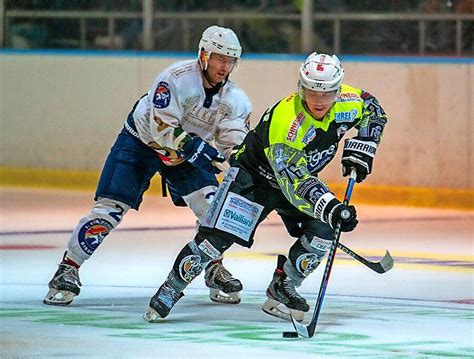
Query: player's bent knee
[315, 244]
[200, 200]
[213, 242]
[306, 254]
[92, 229]
[110, 209]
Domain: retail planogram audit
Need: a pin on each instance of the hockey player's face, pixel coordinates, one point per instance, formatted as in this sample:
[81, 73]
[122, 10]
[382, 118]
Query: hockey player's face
[219, 67]
[318, 102]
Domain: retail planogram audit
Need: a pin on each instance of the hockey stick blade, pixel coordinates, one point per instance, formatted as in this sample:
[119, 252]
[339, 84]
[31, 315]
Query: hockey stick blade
[380, 267]
[301, 329]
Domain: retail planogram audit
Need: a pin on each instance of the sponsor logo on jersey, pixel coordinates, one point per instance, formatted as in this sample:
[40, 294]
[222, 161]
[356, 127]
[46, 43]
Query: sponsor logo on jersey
[209, 249]
[92, 234]
[341, 131]
[238, 217]
[295, 125]
[316, 159]
[244, 206]
[347, 97]
[320, 244]
[220, 196]
[191, 100]
[346, 116]
[162, 96]
[310, 135]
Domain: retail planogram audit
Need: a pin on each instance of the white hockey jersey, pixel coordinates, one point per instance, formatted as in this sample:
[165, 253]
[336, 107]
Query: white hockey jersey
[177, 98]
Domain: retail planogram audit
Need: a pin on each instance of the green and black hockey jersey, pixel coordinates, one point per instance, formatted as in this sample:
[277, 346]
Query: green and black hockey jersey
[289, 147]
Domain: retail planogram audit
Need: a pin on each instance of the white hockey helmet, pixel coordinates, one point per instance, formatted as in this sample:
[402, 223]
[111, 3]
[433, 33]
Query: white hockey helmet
[320, 72]
[220, 40]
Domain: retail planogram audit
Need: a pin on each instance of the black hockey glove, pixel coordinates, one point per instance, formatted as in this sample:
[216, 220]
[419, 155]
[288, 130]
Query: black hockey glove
[330, 210]
[200, 154]
[347, 215]
[358, 153]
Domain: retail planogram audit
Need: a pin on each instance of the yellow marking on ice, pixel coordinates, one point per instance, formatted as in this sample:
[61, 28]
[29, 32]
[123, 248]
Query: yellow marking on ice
[426, 255]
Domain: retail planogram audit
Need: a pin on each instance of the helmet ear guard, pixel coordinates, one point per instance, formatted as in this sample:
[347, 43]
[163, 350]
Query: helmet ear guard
[320, 72]
[203, 58]
[219, 40]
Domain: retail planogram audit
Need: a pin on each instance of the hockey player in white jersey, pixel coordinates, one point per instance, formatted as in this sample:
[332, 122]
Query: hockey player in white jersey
[191, 107]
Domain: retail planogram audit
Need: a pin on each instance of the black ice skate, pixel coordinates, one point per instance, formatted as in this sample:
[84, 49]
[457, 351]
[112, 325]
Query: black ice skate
[283, 297]
[223, 287]
[162, 302]
[64, 286]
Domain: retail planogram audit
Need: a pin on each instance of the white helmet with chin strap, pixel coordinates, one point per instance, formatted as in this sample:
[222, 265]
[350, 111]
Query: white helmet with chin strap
[321, 72]
[219, 40]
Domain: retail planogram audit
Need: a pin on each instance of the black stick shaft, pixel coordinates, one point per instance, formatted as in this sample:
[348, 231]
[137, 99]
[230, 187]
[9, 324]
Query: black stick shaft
[308, 330]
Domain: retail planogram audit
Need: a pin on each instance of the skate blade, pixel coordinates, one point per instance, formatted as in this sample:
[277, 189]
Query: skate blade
[58, 297]
[152, 316]
[279, 310]
[219, 296]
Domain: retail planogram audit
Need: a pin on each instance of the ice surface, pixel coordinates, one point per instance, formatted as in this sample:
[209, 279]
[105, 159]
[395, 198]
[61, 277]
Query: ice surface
[421, 308]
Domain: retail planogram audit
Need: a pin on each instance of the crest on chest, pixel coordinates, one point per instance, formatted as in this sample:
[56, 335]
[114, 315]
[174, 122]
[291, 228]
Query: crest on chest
[204, 118]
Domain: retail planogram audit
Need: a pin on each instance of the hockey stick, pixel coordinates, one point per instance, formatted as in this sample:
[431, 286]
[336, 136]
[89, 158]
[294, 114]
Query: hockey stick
[307, 331]
[380, 267]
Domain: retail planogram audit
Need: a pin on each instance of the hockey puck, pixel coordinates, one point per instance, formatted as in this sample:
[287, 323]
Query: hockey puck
[290, 335]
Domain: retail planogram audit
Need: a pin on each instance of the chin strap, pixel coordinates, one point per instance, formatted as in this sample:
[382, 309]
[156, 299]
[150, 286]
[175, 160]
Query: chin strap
[217, 86]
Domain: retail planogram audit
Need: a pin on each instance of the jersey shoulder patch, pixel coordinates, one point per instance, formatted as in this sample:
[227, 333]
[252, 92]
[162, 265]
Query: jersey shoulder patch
[162, 95]
[349, 94]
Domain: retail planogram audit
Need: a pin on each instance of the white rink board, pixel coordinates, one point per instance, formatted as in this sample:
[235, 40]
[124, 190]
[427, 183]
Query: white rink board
[79, 103]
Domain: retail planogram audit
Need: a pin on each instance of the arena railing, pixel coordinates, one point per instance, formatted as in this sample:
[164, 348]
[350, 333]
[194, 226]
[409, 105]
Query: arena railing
[304, 23]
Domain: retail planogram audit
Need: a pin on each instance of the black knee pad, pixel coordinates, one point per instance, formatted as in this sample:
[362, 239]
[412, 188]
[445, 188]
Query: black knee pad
[187, 265]
[304, 261]
[214, 239]
[205, 247]
[296, 250]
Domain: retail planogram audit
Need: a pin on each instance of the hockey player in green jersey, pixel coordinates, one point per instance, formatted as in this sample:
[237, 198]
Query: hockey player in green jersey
[277, 168]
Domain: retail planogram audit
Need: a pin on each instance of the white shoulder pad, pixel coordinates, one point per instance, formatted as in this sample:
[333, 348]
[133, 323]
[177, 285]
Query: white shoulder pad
[181, 68]
[237, 99]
